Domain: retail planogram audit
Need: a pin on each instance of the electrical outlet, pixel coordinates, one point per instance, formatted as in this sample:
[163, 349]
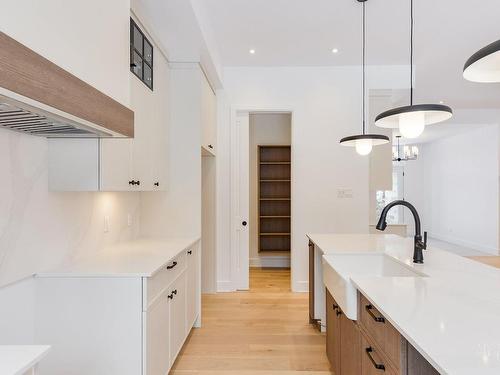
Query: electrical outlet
[106, 223]
[344, 193]
[129, 219]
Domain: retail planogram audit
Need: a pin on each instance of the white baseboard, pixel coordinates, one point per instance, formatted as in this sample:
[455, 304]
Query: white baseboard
[300, 286]
[460, 242]
[225, 286]
[270, 261]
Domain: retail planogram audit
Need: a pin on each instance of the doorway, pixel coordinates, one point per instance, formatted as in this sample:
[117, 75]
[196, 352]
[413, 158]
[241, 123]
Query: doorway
[261, 186]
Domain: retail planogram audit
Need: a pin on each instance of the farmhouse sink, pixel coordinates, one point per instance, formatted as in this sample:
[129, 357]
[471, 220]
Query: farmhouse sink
[339, 268]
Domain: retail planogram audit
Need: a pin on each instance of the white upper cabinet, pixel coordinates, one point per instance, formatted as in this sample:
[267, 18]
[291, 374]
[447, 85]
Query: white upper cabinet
[208, 117]
[135, 164]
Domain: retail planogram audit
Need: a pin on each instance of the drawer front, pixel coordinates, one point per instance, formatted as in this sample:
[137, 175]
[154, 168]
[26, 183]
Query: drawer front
[385, 335]
[153, 286]
[373, 362]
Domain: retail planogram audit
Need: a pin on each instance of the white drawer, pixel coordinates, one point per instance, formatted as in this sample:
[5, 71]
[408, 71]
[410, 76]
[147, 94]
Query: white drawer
[153, 286]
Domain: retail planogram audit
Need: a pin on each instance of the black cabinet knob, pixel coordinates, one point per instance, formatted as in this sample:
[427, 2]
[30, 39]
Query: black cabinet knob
[210, 146]
[190, 252]
[244, 223]
[156, 184]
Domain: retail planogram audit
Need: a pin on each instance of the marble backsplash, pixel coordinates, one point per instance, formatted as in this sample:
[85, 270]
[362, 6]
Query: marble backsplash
[39, 229]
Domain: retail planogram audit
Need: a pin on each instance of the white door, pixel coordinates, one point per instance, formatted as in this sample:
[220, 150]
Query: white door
[240, 186]
[157, 336]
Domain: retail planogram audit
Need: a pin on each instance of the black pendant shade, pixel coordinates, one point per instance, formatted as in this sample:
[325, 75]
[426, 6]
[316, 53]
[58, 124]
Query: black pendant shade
[364, 142]
[433, 113]
[484, 65]
[412, 119]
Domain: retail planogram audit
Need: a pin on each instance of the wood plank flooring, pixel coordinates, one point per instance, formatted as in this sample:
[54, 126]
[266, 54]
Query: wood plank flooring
[490, 260]
[264, 331]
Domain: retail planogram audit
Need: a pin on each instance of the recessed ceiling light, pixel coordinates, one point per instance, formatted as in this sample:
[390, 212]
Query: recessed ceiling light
[335, 50]
[252, 51]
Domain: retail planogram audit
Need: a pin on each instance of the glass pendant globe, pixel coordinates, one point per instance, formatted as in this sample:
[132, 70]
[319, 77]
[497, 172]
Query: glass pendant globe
[364, 146]
[411, 124]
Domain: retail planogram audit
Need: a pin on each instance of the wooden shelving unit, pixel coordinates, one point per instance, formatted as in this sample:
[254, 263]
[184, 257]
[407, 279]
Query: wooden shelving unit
[274, 198]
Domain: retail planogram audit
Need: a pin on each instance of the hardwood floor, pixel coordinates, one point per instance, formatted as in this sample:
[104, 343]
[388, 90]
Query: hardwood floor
[490, 260]
[264, 331]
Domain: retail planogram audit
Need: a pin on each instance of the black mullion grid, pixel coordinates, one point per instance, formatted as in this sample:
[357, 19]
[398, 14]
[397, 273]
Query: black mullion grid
[134, 27]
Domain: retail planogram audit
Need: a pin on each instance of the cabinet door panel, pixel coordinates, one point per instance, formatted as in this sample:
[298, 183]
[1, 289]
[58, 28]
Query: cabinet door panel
[192, 287]
[115, 164]
[157, 337]
[350, 342]
[332, 333]
[177, 315]
[371, 358]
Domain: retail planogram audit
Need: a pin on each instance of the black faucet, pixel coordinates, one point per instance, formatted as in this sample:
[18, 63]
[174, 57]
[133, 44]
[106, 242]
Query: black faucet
[419, 245]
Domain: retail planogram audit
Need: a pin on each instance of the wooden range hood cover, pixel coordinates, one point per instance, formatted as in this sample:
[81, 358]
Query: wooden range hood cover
[41, 98]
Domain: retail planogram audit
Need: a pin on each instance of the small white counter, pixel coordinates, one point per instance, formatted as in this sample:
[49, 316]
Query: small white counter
[21, 359]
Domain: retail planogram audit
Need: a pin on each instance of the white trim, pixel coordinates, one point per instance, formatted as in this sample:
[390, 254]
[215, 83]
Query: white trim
[465, 243]
[300, 286]
[225, 286]
[270, 261]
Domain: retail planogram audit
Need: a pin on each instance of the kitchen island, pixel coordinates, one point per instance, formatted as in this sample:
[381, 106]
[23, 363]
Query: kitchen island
[447, 309]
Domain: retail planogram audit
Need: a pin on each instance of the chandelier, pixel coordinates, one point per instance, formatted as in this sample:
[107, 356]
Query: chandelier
[409, 152]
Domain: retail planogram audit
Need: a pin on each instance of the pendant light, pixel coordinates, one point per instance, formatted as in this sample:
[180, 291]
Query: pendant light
[364, 142]
[413, 118]
[484, 65]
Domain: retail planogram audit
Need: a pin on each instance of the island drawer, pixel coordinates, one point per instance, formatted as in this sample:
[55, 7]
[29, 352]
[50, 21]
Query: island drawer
[373, 360]
[154, 286]
[383, 333]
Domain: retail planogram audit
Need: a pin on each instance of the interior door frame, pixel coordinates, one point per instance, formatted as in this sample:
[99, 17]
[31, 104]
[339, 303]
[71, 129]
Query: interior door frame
[240, 262]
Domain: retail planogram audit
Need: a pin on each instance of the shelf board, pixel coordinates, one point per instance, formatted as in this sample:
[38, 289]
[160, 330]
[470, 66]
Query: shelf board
[275, 180]
[275, 163]
[275, 217]
[275, 234]
[274, 199]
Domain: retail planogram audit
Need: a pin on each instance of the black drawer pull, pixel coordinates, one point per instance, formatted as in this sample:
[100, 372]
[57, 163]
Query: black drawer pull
[156, 184]
[190, 252]
[335, 306]
[174, 292]
[339, 312]
[171, 296]
[378, 319]
[378, 366]
[172, 266]
[210, 146]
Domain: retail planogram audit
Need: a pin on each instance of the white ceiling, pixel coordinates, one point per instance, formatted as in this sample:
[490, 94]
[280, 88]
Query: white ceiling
[302, 33]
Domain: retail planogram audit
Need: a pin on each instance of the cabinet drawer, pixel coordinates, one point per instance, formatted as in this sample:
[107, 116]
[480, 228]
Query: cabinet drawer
[385, 335]
[153, 286]
[373, 362]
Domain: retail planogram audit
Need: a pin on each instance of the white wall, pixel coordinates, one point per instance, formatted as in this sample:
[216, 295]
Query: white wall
[454, 184]
[265, 129]
[326, 106]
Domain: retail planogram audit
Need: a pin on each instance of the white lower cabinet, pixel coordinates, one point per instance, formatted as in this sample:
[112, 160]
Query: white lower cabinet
[157, 338]
[118, 325]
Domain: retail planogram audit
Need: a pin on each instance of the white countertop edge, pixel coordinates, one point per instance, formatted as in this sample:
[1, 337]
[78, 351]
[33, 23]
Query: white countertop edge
[401, 330]
[59, 272]
[43, 350]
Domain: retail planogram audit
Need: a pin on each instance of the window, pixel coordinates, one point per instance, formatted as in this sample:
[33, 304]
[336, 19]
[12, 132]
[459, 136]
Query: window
[384, 197]
[141, 55]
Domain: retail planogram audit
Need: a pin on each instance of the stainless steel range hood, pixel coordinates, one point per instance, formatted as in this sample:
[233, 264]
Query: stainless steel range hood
[28, 116]
[40, 98]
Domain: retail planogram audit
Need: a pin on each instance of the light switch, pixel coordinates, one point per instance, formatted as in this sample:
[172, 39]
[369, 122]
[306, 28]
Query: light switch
[344, 193]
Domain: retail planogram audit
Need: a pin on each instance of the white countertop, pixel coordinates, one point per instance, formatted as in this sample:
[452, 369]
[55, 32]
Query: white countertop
[138, 258]
[452, 316]
[17, 359]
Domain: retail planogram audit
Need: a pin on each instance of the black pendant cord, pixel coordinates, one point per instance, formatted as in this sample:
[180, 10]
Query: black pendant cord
[363, 54]
[411, 52]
